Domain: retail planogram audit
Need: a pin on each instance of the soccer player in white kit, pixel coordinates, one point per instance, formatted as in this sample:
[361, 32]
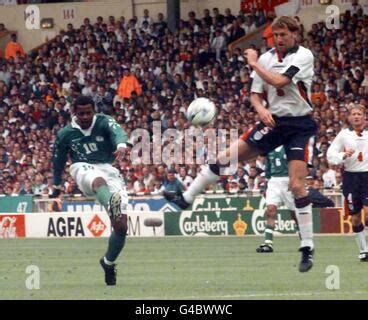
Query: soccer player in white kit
[350, 148]
[285, 74]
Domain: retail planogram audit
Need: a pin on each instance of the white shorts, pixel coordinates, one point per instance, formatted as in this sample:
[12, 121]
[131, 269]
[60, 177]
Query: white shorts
[85, 173]
[278, 193]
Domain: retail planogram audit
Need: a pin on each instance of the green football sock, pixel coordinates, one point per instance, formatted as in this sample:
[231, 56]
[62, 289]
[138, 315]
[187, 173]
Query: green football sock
[103, 195]
[116, 244]
[269, 234]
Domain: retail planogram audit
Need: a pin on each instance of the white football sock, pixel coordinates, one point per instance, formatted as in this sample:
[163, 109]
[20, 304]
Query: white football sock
[360, 239]
[200, 183]
[304, 216]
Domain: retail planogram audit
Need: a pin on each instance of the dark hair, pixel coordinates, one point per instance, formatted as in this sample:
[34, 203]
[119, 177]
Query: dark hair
[83, 100]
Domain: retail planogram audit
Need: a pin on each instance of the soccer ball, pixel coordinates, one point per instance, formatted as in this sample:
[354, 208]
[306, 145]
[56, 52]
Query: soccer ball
[201, 112]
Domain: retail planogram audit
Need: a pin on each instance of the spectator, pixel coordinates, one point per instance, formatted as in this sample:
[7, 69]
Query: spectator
[156, 187]
[236, 31]
[338, 184]
[161, 25]
[171, 183]
[267, 33]
[233, 186]
[329, 177]
[229, 16]
[242, 185]
[250, 25]
[218, 44]
[317, 93]
[2, 29]
[355, 7]
[128, 85]
[146, 18]
[207, 19]
[218, 18]
[38, 185]
[14, 49]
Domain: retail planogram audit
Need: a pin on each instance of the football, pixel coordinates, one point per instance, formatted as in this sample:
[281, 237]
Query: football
[201, 112]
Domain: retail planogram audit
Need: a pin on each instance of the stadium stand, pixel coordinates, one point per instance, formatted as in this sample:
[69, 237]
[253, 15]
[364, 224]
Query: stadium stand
[37, 90]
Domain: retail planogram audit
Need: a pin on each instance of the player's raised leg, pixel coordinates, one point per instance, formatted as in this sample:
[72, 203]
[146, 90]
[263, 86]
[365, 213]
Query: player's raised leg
[211, 173]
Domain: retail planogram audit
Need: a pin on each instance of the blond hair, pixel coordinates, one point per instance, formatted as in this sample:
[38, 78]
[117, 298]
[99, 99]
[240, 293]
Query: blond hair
[353, 106]
[286, 22]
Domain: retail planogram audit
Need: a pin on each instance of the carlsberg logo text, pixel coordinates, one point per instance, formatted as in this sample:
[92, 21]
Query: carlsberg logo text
[281, 225]
[201, 225]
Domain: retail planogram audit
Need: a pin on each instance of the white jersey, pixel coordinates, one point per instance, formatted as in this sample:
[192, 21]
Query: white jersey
[294, 98]
[350, 139]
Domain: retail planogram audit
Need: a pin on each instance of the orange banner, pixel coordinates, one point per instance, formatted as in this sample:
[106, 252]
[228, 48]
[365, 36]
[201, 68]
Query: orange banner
[267, 5]
[12, 226]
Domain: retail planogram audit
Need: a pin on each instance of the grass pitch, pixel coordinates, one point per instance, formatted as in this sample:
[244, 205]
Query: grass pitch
[181, 268]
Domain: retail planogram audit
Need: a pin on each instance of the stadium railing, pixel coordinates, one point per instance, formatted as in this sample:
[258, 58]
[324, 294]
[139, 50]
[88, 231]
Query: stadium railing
[44, 204]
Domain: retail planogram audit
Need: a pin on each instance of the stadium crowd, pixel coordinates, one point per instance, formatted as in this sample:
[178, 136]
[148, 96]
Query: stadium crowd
[139, 72]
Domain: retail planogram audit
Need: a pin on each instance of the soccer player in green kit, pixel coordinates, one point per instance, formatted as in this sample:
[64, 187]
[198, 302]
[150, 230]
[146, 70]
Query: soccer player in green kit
[93, 141]
[277, 193]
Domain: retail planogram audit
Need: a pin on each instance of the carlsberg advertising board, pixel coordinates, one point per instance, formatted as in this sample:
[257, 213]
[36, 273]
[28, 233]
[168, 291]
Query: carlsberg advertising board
[237, 215]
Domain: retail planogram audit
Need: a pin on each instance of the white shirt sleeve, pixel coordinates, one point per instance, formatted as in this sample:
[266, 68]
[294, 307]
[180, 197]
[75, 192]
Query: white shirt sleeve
[335, 153]
[257, 83]
[301, 66]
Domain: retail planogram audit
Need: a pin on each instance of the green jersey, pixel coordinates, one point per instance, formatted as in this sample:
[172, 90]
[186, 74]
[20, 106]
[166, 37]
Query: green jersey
[94, 145]
[276, 163]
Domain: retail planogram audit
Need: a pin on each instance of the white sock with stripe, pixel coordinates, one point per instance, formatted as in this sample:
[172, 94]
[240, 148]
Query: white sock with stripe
[304, 216]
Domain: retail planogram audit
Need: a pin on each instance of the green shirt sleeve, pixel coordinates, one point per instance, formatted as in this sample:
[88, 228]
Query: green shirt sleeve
[60, 156]
[117, 134]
